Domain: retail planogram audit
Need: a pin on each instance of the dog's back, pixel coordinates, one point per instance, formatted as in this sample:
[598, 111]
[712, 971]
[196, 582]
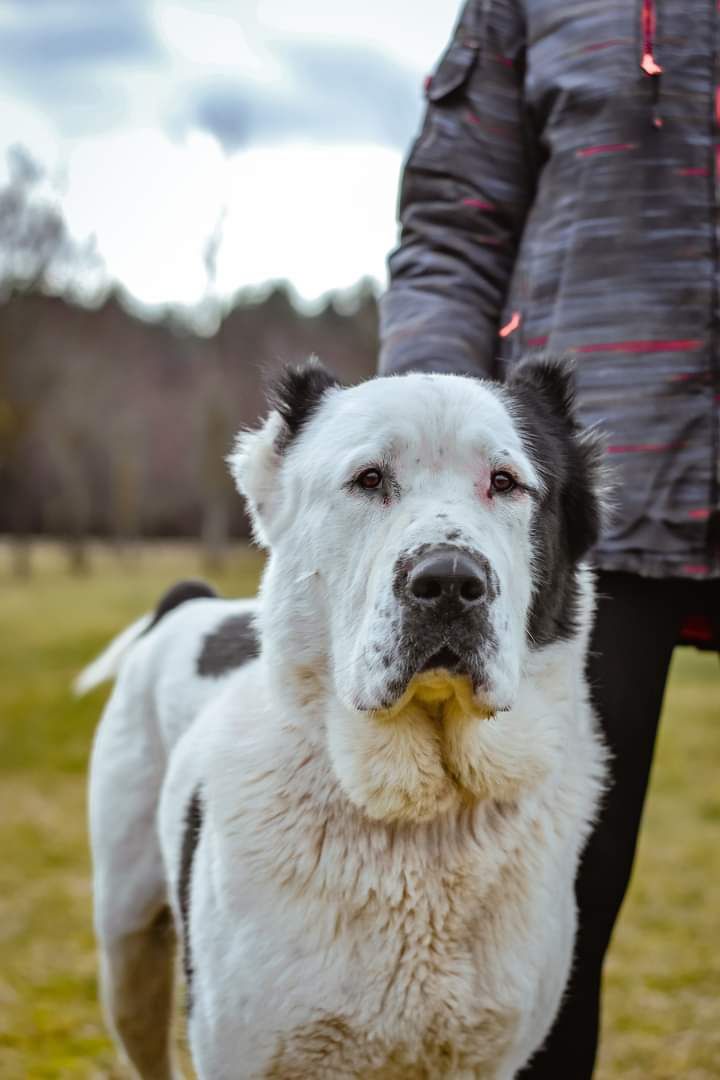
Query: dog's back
[167, 666]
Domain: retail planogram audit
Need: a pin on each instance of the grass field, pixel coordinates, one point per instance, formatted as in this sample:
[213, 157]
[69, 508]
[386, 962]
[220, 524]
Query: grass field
[662, 1014]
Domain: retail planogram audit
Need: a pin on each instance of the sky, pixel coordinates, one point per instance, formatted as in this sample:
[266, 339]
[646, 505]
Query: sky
[273, 129]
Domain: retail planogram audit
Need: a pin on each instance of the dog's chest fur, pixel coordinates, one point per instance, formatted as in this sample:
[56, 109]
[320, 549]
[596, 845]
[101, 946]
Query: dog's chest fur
[390, 951]
[413, 983]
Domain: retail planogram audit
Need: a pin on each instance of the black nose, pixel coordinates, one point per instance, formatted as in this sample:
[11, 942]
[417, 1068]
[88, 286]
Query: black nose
[446, 575]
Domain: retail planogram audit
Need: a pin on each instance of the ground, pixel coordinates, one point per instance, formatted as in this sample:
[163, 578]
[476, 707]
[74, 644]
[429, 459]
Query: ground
[662, 1013]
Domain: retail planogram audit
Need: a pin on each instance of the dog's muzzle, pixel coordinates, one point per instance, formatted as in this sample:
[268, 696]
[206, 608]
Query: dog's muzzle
[446, 595]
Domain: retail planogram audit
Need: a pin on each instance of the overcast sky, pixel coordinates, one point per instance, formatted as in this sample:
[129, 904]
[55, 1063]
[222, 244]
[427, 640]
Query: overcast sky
[278, 124]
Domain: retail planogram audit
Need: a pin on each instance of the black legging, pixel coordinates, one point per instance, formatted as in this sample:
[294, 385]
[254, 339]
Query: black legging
[637, 626]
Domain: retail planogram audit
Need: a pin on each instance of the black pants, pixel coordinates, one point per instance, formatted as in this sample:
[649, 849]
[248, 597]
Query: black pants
[637, 626]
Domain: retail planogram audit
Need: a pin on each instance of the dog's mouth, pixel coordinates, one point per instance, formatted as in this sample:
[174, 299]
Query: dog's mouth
[445, 659]
[443, 673]
[443, 678]
[448, 659]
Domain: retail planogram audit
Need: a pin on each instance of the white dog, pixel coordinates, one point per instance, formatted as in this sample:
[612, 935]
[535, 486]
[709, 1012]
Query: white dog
[363, 797]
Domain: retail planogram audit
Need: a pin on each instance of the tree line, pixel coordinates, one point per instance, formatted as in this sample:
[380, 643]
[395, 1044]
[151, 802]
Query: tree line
[117, 427]
[114, 424]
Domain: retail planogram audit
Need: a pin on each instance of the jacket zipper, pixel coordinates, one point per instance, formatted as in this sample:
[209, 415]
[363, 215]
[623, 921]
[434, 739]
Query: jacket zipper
[649, 63]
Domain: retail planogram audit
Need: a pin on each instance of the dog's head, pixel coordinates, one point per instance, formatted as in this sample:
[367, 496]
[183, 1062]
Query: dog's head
[424, 533]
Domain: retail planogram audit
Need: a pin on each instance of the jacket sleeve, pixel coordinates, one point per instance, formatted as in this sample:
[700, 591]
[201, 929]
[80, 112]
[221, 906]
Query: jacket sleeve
[466, 189]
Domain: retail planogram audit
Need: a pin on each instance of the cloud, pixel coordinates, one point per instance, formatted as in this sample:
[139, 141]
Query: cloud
[43, 35]
[332, 92]
[361, 84]
[90, 65]
[59, 51]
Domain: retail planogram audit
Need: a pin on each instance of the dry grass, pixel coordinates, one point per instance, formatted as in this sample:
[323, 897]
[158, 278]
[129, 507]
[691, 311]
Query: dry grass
[662, 1016]
[663, 975]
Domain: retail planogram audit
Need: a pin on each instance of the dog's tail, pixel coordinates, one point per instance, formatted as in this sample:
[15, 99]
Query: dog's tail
[108, 663]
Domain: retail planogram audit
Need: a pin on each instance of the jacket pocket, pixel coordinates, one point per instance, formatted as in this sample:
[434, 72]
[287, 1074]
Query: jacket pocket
[446, 94]
[453, 70]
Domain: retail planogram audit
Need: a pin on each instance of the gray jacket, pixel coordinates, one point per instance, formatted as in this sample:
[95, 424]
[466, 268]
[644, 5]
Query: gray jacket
[564, 195]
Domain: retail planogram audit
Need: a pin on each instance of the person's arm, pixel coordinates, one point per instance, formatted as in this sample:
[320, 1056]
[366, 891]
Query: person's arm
[465, 193]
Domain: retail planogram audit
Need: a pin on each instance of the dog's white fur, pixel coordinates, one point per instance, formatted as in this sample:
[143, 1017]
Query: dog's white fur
[383, 883]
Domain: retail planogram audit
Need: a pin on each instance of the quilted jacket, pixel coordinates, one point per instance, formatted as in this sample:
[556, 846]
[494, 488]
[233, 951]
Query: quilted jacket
[563, 195]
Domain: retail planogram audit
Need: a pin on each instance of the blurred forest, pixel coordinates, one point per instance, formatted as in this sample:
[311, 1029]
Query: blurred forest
[115, 423]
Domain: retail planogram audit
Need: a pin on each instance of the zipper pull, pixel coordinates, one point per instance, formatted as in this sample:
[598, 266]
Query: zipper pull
[649, 65]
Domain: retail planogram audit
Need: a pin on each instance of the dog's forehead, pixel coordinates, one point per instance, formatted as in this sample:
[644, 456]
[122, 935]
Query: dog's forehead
[422, 409]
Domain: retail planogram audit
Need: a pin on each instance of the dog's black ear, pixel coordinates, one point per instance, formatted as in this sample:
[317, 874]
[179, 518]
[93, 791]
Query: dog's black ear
[570, 459]
[552, 379]
[570, 462]
[296, 394]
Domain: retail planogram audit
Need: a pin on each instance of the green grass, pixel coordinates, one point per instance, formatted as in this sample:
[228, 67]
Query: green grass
[663, 974]
[662, 1004]
[50, 1024]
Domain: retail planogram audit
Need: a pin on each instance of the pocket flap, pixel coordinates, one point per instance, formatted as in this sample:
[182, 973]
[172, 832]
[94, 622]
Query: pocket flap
[454, 68]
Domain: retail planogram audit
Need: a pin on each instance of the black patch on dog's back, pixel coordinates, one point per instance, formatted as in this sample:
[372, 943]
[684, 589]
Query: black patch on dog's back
[297, 394]
[230, 645]
[178, 594]
[190, 839]
[567, 520]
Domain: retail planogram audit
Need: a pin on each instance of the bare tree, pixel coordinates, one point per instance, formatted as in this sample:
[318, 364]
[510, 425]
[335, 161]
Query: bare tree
[36, 253]
[216, 426]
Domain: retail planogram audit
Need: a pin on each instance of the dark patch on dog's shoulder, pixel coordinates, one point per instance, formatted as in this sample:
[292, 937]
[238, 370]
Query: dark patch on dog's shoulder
[567, 520]
[229, 645]
[296, 396]
[190, 840]
[178, 594]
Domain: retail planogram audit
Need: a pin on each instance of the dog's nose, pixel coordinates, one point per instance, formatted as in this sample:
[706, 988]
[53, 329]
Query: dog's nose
[446, 575]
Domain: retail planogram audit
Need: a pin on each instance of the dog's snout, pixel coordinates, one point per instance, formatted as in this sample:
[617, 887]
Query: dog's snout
[447, 575]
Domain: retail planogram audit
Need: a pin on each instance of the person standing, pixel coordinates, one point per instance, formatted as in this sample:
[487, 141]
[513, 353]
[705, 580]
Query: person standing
[563, 196]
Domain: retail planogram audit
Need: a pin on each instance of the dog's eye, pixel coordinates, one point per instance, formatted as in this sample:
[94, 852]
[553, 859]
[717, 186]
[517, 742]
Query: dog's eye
[502, 482]
[369, 479]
